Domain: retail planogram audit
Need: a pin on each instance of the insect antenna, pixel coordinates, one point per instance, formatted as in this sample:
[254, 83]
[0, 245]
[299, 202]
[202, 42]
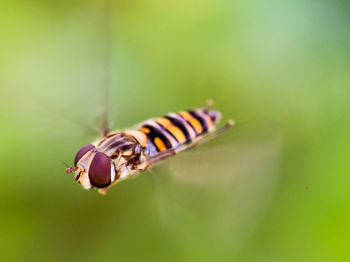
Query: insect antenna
[69, 170]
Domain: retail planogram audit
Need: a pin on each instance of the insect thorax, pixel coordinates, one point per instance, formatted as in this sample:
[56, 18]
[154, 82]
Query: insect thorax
[119, 144]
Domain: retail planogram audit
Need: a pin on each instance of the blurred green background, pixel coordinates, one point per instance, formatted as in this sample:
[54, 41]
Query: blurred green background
[283, 62]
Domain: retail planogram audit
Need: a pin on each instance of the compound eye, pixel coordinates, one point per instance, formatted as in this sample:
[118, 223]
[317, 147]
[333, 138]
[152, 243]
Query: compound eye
[82, 152]
[100, 170]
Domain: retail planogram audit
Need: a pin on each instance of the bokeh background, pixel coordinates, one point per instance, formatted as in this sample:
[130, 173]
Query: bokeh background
[284, 195]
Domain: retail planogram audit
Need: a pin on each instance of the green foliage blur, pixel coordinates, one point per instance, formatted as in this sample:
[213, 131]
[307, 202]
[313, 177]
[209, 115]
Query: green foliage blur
[279, 62]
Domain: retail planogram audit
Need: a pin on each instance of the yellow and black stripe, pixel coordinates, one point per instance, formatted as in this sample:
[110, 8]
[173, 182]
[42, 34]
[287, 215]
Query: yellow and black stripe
[179, 128]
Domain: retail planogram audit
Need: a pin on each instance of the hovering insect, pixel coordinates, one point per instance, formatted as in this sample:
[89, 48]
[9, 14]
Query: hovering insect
[119, 155]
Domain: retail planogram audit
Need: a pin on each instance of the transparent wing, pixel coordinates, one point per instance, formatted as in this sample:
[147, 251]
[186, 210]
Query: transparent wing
[105, 64]
[222, 188]
[236, 153]
[61, 99]
[81, 100]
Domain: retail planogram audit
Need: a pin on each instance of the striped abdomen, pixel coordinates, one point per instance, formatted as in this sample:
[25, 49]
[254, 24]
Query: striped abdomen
[179, 128]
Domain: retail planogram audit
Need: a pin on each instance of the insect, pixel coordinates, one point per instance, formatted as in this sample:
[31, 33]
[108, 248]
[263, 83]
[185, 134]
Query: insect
[119, 155]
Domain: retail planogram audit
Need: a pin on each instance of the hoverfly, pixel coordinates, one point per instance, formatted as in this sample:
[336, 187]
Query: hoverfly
[119, 155]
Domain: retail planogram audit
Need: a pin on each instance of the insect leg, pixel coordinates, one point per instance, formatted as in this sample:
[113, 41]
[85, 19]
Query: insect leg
[208, 104]
[161, 156]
